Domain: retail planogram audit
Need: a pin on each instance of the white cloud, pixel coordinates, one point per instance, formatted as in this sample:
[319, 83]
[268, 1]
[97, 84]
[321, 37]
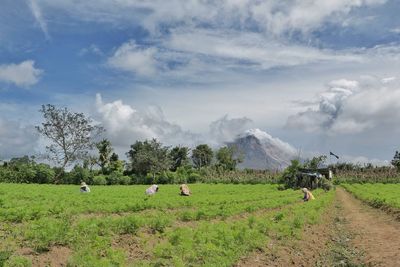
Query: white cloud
[274, 17]
[133, 58]
[22, 74]
[16, 139]
[93, 49]
[251, 50]
[353, 107]
[395, 30]
[125, 125]
[226, 130]
[196, 53]
[361, 160]
[37, 13]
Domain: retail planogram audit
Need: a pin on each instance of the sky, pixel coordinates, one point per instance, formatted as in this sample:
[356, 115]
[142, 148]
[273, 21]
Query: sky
[319, 75]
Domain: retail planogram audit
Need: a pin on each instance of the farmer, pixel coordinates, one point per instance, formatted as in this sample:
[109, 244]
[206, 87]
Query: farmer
[152, 190]
[84, 188]
[184, 190]
[307, 195]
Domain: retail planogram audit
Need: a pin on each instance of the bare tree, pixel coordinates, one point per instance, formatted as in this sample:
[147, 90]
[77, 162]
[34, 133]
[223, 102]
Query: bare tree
[72, 135]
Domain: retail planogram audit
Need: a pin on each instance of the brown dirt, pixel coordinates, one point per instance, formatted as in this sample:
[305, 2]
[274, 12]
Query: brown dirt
[351, 233]
[303, 252]
[132, 247]
[57, 256]
[376, 233]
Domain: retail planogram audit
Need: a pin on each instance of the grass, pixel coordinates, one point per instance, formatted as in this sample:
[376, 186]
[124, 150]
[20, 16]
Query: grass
[377, 195]
[215, 226]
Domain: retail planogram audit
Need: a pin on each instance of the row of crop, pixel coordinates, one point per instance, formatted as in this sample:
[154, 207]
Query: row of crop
[220, 243]
[223, 243]
[92, 234]
[29, 202]
[360, 178]
[377, 195]
[49, 231]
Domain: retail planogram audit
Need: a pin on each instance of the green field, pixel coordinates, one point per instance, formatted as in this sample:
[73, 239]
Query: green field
[120, 226]
[377, 195]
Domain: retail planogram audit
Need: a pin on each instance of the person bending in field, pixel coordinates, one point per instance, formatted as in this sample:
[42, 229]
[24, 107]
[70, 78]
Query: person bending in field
[184, 190]
[152, 190]
[84, 188]
[307, 195]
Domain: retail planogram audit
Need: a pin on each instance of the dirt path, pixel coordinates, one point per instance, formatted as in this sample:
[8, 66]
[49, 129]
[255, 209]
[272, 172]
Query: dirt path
[375, 233]
[350, 234]
[305, 252]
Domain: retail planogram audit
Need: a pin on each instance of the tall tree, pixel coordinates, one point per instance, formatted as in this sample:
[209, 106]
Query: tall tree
[148, 157]
[71, 135]
[396, 160]
[202, 156]
[116, 165]
[227, 159]
[316, 162]
[105, 149]
[179, 157]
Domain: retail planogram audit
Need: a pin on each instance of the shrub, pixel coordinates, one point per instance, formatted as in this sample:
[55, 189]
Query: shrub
[100, 180]
[125, 180]
[193, 178]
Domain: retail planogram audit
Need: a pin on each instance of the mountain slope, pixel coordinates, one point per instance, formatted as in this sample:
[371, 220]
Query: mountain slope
[262, 151]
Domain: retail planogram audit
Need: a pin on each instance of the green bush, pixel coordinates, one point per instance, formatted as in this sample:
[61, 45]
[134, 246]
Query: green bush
[125, 180]
[193, 178]
[100, 180]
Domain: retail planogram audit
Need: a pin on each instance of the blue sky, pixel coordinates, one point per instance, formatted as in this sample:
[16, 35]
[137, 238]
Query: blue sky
[320, 75]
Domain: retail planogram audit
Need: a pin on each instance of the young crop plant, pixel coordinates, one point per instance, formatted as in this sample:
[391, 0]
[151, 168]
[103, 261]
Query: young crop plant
[216, 225]
[377, 195]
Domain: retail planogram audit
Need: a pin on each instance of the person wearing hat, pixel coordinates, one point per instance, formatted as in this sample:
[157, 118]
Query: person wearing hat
[184, 190]
[84, 188]
[307, 195]
[152, 190]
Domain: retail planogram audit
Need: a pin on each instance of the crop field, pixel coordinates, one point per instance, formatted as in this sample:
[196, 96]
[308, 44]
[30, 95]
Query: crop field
[120, 226]
[377, 195]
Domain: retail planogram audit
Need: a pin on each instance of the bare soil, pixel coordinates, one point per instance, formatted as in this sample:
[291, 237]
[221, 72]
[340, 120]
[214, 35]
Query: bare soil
[377, 234]
[57, 256]
[303, 252]
[133, 247]
[351, 233]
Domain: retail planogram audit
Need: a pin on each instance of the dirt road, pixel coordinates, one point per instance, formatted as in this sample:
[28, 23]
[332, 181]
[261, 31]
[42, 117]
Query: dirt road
[376, 234]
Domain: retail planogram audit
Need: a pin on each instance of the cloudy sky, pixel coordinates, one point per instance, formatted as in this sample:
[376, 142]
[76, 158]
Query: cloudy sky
[320, 75]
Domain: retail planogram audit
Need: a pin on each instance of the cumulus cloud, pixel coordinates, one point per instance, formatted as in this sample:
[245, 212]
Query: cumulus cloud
[125, 125]
[22, 74]
[134, 58]
[16, 139]
[349, 106]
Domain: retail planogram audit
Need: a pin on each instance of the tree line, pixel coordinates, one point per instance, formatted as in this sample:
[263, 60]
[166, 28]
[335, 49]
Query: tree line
[73, 140]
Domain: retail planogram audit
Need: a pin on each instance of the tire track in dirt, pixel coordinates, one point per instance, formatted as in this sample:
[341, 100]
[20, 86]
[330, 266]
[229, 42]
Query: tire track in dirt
[375, 233]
